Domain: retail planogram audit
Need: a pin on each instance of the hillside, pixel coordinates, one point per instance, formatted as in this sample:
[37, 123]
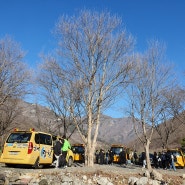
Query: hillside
[111, 130]
[116, 130]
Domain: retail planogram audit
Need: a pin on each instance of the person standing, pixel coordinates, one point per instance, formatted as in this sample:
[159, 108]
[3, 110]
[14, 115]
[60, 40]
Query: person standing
[58, 151]
[122, 158]
[168, 159]
[172, 163]
[143, 157]
[135, 157]
[155, 160]
[66, 146]
[163, 160]
[111, 155]
[97, 156]
[107, 157]
[159, 160]
[101, 156]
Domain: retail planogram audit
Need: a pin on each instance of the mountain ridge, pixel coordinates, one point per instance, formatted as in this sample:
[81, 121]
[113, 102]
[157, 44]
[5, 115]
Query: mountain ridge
[111, 130]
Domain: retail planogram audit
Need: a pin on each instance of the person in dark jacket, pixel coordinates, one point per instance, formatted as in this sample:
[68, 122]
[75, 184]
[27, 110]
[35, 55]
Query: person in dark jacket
[97, 156]
[163, 161]
[58, 151]
[155, 160]
[135, 157]
[102, 156]
[111, 155]
[122, 158]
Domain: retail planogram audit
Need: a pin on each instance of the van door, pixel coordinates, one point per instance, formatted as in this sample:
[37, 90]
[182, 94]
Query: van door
[46, 148]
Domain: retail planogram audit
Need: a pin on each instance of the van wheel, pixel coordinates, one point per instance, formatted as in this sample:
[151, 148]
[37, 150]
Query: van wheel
[70, 161]
[10, 165]
[37, 165]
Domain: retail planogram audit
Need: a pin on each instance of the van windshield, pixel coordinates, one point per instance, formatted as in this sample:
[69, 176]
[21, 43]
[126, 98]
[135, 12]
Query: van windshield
[116, 150]
[78, 149]
[19, 137]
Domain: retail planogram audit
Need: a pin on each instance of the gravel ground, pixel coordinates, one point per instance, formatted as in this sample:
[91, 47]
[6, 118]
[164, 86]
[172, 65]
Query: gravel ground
[113, 171]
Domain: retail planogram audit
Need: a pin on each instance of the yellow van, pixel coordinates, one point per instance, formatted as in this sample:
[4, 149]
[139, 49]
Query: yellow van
[79, 151]
[116, 149]
[30, 148]
[179, 157]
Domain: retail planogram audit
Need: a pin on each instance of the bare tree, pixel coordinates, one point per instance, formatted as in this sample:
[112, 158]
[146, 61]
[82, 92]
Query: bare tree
[172, 114]
[14, 79]
[9, 112]
[145, 94]
[56, 93]
[14, 76]
[93, 62]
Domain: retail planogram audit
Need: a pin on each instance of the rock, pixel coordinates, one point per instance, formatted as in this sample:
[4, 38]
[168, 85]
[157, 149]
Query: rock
[89, 181]
[142, 181]
[132, 180]
[155, 175]
[67, 179]
[43, 182]
[84, 177]
[124, 181]
[78, 182]
[146, 174]
[154, 182]
[25, 179]
[103, 181]
[55, 183]
[2, 178]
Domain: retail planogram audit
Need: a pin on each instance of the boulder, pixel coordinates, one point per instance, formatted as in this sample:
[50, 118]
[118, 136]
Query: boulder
[155, 175]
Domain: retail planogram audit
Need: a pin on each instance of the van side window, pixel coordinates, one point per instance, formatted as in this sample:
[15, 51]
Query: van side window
[37, 139]
[43, 139]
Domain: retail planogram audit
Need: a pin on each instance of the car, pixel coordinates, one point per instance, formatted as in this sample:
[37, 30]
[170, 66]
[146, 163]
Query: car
[30, 147]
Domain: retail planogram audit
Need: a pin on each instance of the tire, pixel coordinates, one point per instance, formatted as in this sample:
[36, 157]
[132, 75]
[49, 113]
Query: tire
[70, 161]
[37, 165]
[10, 165]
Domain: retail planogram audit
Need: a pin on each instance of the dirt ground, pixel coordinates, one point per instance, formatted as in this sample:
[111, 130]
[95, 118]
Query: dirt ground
[115, 172]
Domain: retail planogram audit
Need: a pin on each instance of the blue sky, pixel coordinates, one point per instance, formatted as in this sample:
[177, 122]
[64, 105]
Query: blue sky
[30, 22]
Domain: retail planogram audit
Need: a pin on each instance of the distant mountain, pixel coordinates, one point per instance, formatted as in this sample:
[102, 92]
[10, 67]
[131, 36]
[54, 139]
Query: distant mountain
[116, 130]
[35, 116]
[111, 130]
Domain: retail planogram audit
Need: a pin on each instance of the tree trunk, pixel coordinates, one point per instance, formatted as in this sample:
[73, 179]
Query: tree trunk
[90, 161]
[90, 158]
[148, 163]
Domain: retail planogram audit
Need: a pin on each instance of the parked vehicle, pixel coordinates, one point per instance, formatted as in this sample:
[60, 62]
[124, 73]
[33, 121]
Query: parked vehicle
[30, 148]
[116, 149]
[179, 157]
[79, 151]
